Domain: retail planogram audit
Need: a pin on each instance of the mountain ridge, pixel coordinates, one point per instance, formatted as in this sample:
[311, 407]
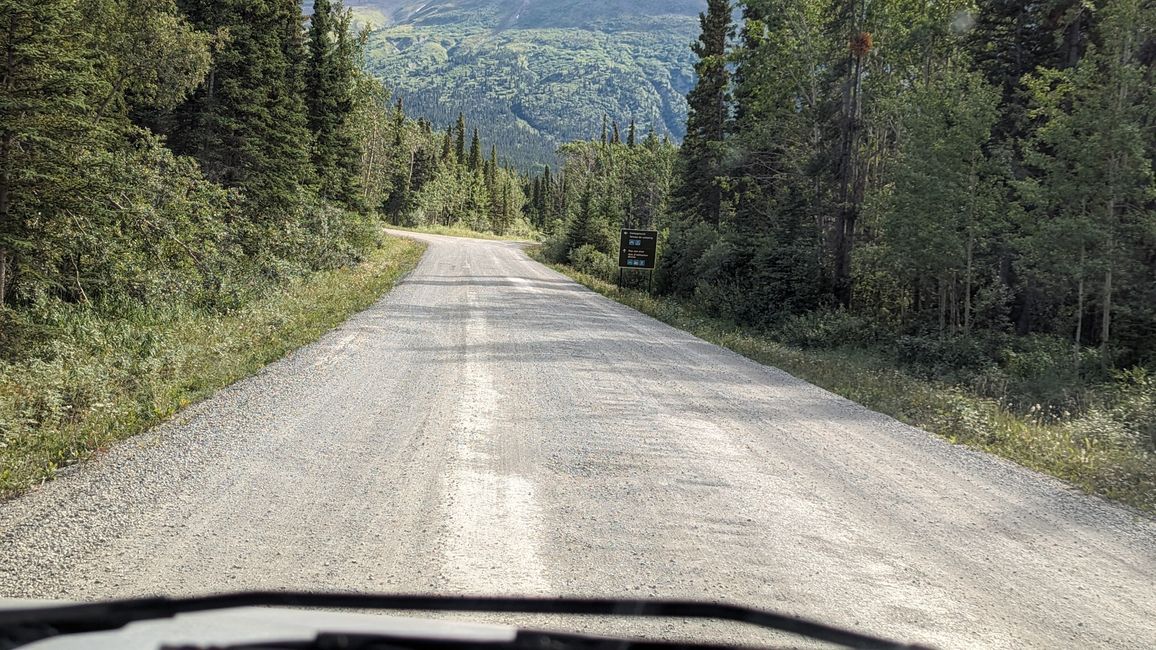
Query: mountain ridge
[534, 74]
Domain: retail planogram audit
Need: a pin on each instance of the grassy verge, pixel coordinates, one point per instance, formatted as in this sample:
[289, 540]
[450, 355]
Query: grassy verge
[113, 375]
[1069, 450]
[459, 231]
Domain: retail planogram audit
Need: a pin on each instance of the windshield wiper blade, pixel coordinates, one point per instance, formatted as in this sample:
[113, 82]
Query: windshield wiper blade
[525, 640]
[18, 626]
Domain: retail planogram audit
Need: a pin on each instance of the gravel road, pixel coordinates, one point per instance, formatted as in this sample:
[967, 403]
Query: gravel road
[492, 427]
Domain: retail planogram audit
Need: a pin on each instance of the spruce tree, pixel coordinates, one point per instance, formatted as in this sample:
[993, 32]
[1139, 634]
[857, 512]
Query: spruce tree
[246, 125]
[460, 139]
[398, 123]
[708, 106]
[491, 166]
[43, 119]
[448, 145]
[329, 85]
[320, 76]
[1013, 38]
[631, 135]
[475, 159]
[583, 227]
[547, 196]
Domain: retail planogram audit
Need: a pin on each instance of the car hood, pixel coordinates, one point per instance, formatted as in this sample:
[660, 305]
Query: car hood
[253, 624]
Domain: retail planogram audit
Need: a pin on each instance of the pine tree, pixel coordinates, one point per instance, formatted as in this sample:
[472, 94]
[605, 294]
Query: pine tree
[1096, 176]
[847, 156]
[708, 106]
[320, 77]
[631, 135]
[44, 116]
[398, 123]
[246, 125]
[448, 145]
[616, 138]
[491, 166]
[460, 139]
[475, 160]
[605, 128]
[547, 196]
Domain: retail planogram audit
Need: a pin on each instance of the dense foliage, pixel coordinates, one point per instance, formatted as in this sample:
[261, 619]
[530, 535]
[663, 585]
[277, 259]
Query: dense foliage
[167, 165]
[604, 185]
[962, 168]
[536, 75]
[964, 187]
[201, 150]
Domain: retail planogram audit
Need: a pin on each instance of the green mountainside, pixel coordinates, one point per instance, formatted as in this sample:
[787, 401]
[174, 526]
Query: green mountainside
[534, 74]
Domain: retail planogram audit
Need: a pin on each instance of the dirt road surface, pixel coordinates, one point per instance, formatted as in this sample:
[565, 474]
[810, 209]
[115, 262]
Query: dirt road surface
[491, 427]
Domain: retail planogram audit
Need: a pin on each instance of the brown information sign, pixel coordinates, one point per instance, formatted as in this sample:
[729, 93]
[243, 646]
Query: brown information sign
[638, 249]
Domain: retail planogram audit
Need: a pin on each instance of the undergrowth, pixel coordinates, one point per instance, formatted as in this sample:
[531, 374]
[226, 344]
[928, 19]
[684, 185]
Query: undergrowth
[1104, 445]
[105, 372]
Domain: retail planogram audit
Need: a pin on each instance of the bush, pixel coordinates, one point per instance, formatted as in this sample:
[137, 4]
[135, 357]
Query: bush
[727, 300]
[591, 261]
[1134, 406]
[943, 356]
[92, 374]
[554, 248]
[1043, 371]
[679, 266]
[826, 329]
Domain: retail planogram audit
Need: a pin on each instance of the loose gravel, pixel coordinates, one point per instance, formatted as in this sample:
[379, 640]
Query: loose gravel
[492, 427]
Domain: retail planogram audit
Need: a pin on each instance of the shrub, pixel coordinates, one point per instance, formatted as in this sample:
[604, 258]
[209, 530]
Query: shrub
[826, 329]
[591, 261]
[679, 264]
[1135, 405]
[942, 356]
[554, 248]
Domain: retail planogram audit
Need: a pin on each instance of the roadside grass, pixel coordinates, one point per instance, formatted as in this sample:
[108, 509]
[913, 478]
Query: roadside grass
[116, 372]
[461, 231]
[1074, 450]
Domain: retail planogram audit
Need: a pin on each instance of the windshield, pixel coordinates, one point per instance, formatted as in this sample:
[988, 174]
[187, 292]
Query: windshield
[840, 310]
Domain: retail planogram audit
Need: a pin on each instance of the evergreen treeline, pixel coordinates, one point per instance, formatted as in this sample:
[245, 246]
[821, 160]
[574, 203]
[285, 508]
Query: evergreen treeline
[964, 186]
[620, 180]
[201, 150]
[443, 181]
[962, 169]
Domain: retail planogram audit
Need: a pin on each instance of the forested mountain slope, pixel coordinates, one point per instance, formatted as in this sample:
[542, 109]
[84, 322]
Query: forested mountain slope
[537, 73]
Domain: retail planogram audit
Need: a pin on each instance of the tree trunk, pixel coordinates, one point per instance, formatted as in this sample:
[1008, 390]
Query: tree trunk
[848, 168]
[7, 143]
[369, 159]
[954, 288]
[1106, 323]
[1079, 318]
[967, 285]
[942, 305]
[1075, 36]
[5, 210]
[1079, 309]
[3, 276]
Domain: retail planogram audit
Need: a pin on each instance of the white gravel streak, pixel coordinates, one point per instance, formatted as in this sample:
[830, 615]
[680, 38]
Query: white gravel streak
[492, 427]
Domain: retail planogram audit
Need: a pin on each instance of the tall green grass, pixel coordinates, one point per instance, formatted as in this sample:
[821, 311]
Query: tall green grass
[1098, 450]
[102, 374]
